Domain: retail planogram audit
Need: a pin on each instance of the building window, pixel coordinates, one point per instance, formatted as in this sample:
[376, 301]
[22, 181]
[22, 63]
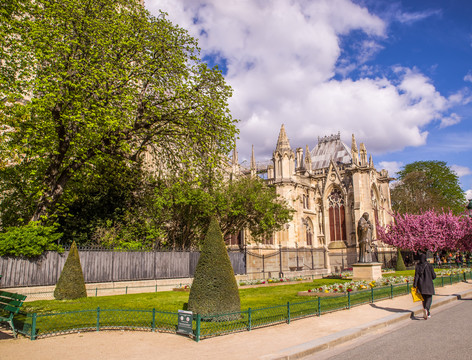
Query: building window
[235, 239]
[337, 223]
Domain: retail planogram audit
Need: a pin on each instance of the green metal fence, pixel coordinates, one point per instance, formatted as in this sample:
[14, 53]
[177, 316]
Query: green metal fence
[37, 325]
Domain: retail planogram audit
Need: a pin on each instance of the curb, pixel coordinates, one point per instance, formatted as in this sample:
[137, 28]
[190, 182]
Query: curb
[330, 341]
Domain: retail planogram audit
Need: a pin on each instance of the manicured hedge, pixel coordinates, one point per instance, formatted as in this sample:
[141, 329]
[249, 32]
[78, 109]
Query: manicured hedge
[214, 289]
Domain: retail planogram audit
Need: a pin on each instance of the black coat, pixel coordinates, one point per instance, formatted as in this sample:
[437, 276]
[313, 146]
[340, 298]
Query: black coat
[424, 275]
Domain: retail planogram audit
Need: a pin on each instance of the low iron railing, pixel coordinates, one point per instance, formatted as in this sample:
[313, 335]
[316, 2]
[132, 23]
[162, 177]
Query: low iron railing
[38, 325]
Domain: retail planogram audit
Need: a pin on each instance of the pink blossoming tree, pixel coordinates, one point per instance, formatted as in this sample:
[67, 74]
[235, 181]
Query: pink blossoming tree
[428, 231]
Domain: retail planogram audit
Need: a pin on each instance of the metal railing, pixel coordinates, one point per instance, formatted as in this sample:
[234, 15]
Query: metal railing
[38, 325]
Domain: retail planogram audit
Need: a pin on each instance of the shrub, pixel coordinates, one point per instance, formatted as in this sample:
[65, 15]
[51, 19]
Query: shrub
[71, 284]
[400, 266]
[214, 289]
[30, 240]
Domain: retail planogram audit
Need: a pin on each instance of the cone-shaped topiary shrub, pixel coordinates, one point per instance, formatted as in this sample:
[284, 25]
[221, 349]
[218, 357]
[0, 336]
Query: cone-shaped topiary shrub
[400, 266]
[71, 284]
[214, 289]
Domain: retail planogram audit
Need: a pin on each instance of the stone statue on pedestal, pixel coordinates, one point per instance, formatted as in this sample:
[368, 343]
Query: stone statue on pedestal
[364, 233]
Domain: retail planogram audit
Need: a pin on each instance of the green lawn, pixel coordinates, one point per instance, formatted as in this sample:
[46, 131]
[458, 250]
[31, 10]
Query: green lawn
[257, 297]
[172, 301]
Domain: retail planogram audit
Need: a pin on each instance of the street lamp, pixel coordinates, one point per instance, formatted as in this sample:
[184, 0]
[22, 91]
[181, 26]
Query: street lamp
[469, 208]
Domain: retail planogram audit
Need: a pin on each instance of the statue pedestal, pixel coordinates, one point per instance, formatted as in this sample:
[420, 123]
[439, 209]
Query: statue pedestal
[367, 271]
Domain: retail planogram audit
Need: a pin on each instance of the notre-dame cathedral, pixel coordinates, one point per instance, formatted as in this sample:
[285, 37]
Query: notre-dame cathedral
[329, 187]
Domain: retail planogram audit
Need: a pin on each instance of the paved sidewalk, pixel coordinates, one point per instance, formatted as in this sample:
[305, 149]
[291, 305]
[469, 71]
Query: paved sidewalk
[285, 341]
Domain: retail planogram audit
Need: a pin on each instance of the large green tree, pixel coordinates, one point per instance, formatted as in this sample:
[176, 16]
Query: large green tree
[86, 83]
[427, 185]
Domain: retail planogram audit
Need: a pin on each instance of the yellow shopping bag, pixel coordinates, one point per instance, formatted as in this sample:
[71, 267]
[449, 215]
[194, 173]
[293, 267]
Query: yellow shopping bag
[416, 295]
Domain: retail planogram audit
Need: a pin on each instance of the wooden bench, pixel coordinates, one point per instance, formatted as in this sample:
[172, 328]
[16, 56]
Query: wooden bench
[10, 304]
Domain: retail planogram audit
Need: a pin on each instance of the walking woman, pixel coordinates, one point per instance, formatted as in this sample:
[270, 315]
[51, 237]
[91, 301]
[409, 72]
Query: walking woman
[424, 276]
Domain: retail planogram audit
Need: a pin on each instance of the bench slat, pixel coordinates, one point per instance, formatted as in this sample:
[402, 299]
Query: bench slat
[12, 295]
[12, 309]
[10, 303]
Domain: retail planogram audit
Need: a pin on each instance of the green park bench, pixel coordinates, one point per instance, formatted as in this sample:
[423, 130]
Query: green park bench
[10, 304]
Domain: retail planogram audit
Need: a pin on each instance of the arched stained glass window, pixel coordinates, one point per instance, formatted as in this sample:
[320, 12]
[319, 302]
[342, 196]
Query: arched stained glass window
[337, 222]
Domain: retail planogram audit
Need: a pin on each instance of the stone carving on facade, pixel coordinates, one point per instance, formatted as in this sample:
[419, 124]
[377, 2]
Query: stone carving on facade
[364, 233]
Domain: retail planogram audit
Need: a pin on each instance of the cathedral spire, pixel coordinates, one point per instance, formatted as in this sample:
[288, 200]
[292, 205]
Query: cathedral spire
[300, 160]
[282, 142]
[234, 160]
[253, 163]
[354, 152]
[354, 144]
[234, 164]
[363, 153]
[307, 159]
[284, 157]
[371, 161]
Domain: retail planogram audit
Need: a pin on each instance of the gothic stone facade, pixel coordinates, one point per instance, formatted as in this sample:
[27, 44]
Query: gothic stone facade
[330, 188]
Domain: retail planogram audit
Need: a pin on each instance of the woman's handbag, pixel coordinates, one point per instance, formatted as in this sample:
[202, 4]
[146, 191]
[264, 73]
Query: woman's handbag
[416, 295]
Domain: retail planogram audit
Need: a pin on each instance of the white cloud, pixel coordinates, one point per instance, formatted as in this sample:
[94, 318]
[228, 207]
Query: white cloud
[281, 59]
[461, 170]
[468, 194]
[450, 120]
[391, 166]
[468, 77]
[409, 18]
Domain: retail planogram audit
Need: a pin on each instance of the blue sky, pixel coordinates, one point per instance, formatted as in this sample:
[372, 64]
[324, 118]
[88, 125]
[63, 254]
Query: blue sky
[397, 74]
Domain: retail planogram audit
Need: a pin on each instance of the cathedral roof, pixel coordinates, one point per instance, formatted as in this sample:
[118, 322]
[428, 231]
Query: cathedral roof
[330, 147]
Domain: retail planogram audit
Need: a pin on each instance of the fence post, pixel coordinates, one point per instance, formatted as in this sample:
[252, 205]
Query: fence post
[112, 266]
[263, 265]
[407, 287]
[197, 329]
[288, 312]
[348, 299]
[281, 274]
[96, 292]
[153, 320]
[156, 287]
[391, 291]
[33, 327]
[98, 318]
[372, 295]
[319, 306]
[249, 319]
[126, 290]
[450, 279]
[442, 281]
[245, 259]
[312, 260]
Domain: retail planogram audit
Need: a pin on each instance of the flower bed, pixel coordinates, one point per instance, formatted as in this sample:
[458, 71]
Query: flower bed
[355, 286]
[182, 288]
[273, 281]
[453, 271]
